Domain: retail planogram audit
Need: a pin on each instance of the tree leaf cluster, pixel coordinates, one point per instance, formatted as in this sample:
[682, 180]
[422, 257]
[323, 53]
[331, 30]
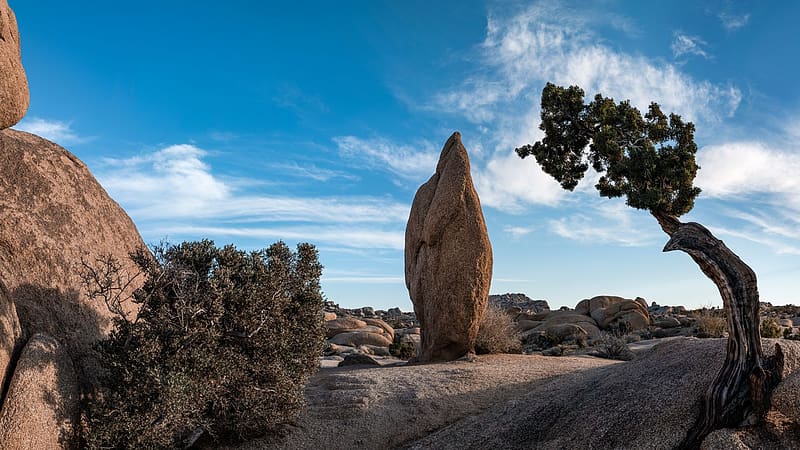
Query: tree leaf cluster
[650, 159]
[221, 349]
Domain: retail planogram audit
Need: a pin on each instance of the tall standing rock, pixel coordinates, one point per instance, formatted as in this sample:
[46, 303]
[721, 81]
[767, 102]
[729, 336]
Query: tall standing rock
[14, 96]
[448, 258]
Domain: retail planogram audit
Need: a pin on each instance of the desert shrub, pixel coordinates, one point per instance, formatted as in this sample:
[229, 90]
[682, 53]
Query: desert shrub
[770, 328]
[402, 349]
[710, 323]
[612, 347]
[497, 333]
[221, 348]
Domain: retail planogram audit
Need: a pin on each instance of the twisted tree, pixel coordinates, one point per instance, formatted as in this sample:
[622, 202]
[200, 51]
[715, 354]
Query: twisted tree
[650, 161]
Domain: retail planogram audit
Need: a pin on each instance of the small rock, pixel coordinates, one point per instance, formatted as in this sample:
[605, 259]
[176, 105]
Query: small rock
[358, 359]
[552, 351]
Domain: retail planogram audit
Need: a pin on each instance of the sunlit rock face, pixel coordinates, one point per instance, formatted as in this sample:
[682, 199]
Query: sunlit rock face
[448, 258]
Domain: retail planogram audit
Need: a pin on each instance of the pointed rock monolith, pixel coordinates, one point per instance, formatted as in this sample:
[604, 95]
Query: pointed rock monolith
[448, 258]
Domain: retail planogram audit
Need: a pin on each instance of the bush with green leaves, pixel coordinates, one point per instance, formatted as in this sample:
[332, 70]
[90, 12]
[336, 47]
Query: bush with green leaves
[220, 351]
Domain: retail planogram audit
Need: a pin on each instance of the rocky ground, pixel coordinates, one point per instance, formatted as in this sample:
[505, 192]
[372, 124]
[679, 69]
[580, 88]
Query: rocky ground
[533, 401]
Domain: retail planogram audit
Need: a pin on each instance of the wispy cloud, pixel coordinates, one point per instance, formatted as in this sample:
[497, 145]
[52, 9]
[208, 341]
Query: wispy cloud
[546, 42]
[686, 45]
[410, 162]
[612, 222]
[53, 130]
[758, 182]
[312, 171]
[733, 22]
[175, 191]
[518, 232]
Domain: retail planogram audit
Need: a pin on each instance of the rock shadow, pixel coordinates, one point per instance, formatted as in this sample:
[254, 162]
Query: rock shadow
[75, 326]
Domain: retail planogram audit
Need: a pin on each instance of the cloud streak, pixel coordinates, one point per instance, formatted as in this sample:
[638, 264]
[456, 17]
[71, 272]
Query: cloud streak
[53, 130]
[174, 191]
[410, 162]
[686, 45]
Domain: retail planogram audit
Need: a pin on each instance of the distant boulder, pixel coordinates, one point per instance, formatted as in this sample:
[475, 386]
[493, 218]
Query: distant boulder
[610, 311]
[448, 258]
[14, 97]
[521, 301]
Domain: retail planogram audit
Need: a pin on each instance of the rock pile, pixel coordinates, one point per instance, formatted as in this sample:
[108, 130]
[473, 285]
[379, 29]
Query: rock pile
[348, 335]
[398, 318]
[448, 258]
[519, 303]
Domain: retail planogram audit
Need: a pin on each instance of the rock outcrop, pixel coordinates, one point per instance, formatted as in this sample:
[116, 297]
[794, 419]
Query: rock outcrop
[448, 258]
[14, 96]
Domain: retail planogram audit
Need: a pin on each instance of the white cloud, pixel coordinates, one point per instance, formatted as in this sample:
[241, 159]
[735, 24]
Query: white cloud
[174, 191]
[518, 232]
[53, 130]
[406, 161]
[736, 168]
[686, 45]
[760, 188]
[733, 22]
[509, 183]
[546, 43]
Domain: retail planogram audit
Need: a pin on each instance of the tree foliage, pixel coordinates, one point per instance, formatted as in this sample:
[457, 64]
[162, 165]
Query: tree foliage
[222, 346]
[650, 159]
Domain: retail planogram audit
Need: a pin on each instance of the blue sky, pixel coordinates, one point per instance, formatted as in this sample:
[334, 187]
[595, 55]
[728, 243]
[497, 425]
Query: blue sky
[248, 122]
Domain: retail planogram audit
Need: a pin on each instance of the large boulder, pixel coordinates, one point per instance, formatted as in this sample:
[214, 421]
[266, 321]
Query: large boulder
[610, 312]
[14, 97]
[359, 338]
[554, 321]
[41, 409]
[448, 258]
[56, 216]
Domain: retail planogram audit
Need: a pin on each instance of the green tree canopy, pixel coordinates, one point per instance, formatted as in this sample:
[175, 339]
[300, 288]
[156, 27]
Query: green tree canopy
[650, 160]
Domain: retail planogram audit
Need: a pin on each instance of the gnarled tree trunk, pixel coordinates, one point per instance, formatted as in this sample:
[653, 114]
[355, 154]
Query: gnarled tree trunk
[740, 393]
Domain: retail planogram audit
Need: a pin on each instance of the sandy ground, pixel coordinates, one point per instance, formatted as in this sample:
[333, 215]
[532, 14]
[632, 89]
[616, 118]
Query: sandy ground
[387, 407]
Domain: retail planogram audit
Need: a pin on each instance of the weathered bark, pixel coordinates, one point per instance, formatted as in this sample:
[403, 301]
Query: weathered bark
[740, 393]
